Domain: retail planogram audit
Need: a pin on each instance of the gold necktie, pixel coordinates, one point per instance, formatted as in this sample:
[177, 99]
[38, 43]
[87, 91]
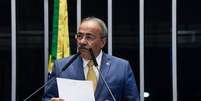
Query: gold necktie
[91, 75]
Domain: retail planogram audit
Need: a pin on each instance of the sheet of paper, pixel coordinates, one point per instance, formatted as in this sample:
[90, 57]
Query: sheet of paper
[75, 90]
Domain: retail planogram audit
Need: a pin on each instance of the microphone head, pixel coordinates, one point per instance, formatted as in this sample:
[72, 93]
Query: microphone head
[90, 49]
[93, 56]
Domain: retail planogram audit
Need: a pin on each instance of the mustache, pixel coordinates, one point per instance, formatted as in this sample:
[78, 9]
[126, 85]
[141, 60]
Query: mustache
[83, 47]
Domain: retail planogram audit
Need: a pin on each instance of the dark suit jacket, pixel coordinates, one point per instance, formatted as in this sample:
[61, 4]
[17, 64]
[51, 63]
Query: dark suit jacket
[117, 73]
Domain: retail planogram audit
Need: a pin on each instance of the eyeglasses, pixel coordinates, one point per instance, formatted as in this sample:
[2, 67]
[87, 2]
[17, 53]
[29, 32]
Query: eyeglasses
[88, 37]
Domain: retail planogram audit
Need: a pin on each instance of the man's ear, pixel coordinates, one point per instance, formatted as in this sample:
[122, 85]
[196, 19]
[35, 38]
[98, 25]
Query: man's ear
[104, 41]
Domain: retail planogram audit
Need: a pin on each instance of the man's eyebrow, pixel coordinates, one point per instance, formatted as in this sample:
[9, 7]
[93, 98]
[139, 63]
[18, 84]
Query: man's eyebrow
[79, 33]
[89, 34]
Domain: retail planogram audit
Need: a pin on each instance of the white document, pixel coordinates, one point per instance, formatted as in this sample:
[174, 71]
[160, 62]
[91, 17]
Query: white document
[75, 90]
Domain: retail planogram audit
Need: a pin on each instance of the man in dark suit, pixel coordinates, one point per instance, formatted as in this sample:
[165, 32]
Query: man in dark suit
[116, 71]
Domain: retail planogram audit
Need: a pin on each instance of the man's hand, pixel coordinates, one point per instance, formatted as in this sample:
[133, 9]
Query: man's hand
[56, 99]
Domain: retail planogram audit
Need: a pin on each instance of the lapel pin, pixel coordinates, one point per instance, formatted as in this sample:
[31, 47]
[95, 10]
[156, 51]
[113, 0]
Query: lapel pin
[107, 63]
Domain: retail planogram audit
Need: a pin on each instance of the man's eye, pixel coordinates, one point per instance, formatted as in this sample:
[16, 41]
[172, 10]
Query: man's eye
[79, 35]
[89, 37]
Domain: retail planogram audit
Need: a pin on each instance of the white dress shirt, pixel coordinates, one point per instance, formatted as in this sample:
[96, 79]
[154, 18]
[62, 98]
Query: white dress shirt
[85, 62]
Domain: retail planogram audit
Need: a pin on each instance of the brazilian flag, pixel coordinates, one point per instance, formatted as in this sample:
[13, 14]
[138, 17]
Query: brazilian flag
[60, 46]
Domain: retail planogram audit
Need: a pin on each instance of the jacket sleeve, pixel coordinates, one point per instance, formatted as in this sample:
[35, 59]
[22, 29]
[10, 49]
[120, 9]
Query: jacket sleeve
[131, 90]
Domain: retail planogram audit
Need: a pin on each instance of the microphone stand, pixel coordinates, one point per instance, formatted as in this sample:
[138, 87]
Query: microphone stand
[96, 65]
[54, 78]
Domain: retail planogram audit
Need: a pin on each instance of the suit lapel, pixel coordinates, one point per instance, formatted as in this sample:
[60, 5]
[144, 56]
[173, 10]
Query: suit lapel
[105, 64]
[78, 72]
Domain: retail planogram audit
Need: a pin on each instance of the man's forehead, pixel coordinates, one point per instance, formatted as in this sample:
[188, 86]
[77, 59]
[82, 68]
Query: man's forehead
[90, 27]
[90, 23]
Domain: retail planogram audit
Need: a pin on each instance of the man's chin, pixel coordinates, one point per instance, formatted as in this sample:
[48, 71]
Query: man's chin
[85, 55]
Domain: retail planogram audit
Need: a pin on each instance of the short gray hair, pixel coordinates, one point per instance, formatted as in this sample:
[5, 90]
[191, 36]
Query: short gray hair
[101, 24]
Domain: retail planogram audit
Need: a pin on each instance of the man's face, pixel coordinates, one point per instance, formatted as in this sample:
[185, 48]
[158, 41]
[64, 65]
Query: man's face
[90, 37]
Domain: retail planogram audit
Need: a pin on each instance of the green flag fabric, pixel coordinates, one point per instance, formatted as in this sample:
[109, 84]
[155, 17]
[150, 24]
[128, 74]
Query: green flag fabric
[60, 47]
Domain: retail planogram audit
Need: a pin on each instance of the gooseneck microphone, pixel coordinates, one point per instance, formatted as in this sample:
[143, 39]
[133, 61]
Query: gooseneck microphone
[93, 57]
[70, 62]
[54, 78]
[96, 65]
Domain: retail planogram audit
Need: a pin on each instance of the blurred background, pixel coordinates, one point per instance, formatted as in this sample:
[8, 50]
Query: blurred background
[157, 40]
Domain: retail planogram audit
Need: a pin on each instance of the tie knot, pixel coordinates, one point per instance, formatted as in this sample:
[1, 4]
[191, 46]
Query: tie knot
[90, 63]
